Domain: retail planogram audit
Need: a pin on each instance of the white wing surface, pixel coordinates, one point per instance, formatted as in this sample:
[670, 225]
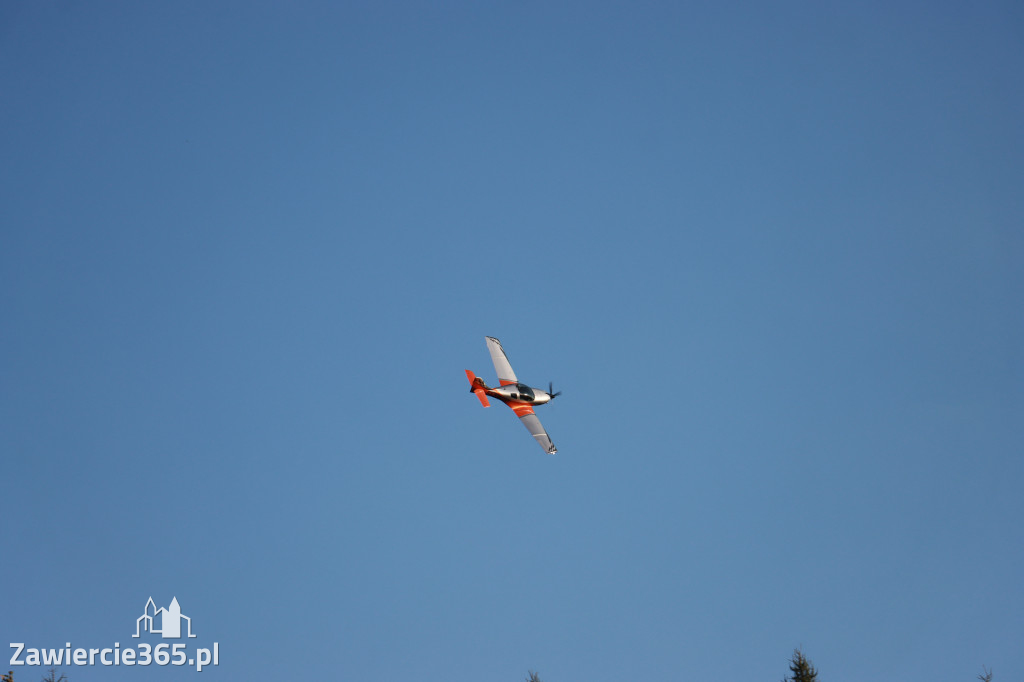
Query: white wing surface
[533, 425]
[500, 360]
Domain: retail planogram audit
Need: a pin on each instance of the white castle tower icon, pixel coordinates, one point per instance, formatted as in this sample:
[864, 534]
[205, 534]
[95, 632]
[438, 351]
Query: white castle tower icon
[170, 620]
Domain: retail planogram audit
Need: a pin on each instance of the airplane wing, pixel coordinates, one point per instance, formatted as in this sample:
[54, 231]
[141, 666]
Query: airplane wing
[533, 425]
[500, 360]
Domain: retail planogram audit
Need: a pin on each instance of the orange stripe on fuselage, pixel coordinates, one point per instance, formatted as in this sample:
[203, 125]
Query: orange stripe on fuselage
[519, 407]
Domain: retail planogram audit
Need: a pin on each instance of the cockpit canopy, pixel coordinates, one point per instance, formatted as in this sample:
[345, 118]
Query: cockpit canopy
[525, 392]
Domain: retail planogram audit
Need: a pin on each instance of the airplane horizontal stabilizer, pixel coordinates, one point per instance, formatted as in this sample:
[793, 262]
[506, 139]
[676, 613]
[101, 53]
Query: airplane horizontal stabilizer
[477, 385]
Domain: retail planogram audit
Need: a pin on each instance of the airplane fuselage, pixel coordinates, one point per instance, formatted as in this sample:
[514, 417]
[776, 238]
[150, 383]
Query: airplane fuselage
[519, 393]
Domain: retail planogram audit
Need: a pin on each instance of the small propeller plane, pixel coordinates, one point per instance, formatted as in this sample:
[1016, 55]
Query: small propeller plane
[520, 397]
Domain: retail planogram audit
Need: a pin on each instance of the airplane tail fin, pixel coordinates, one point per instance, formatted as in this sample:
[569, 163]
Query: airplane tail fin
[477, 385]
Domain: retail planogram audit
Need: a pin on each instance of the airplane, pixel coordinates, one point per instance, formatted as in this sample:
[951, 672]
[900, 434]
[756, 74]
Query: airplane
[520, 397]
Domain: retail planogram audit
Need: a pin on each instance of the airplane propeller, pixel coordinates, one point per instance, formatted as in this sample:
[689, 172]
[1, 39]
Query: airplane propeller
[551, 391]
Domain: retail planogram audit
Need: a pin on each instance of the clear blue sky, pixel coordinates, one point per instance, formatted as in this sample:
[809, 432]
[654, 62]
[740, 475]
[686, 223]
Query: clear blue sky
[773, 254]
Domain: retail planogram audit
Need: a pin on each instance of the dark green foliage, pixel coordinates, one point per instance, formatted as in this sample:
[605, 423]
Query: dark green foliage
[801, 669]
[986, 675]
[533, 677]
